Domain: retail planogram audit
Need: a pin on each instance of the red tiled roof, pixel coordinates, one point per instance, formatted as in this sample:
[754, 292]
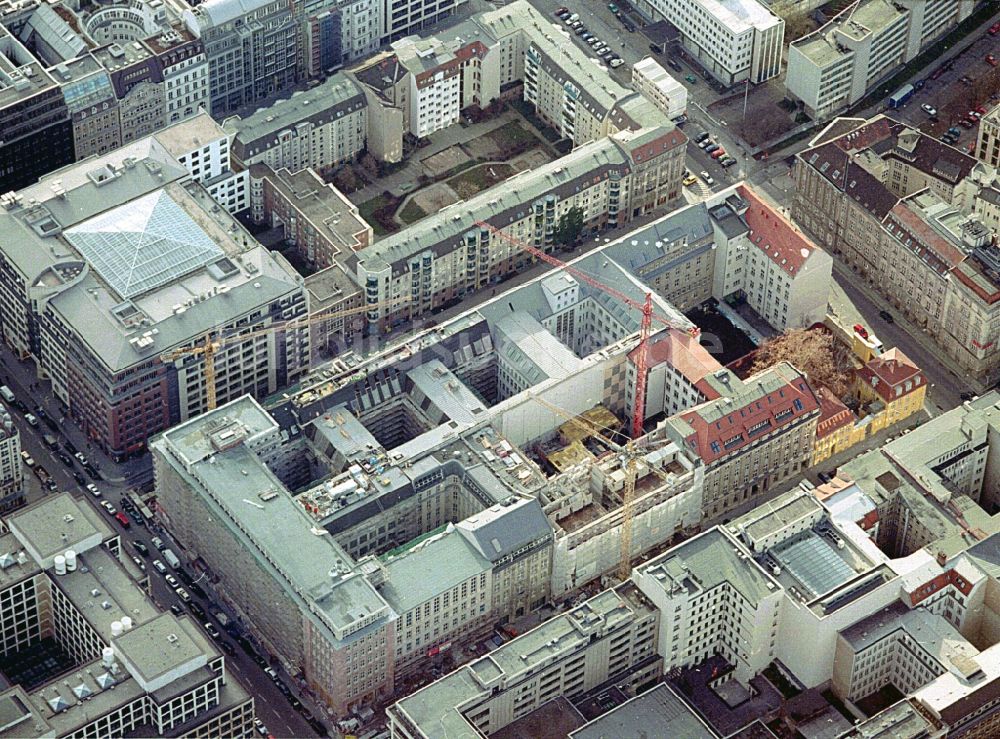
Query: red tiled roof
[652, 149]
[833, 414]
[682, 351]
[742, 425]
[783, 244]
[893, 369]
[906, 226]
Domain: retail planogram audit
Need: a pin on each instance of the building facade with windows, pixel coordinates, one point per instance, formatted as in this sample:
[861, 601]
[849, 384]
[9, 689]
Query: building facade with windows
[11, 472]
[97, 318]
[734, 40]
[752, 435]
[134, 668]
[319, 128]
[834, 66]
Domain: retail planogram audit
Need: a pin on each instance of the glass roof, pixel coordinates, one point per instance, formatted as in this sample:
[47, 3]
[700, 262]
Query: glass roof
[143, 244]
[814, 563]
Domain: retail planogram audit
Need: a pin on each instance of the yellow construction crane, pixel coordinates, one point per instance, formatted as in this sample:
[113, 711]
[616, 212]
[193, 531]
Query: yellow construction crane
[208, 346]
[629, 455]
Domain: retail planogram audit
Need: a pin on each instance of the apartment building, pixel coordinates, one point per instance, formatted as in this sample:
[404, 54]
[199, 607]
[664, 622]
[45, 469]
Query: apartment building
[107, 312]
[666, 93]
[752, 435]
[437, 70]
[439, 258]
[134, 668]
[834, 66]
[611, 636]
[319, 128]
[734, 40]
[38, 134]
[11, 472]
[895, 205]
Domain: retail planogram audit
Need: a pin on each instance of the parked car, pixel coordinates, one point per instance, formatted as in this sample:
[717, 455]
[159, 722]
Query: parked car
[727, 162]
[32, 421]
[690, 180]
[183, 594]
[140, 547]
[139, 563]
[928, 109]
[212, 631]
[886, 316]
[260, 727]
[28, 459]
[967, 396]
[707, 177]
[176, 609]
[158, 543]
[860, 330]
[106, 505]
[80, 479]
[123, 520]
[171, 580]
[675, 65]
[718, 153]
[995, 29]
[65, 459]
[92, 489]
[159, 566]
[616, 62]
[197, 610]
[991, 60]
[712, 147]
[705, 142]
[701, 137]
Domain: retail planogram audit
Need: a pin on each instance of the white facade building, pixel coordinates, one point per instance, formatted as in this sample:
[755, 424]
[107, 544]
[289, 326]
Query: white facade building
[659, 87]
[735, 40]
[434, 103]
[11, 474]
[834, 66]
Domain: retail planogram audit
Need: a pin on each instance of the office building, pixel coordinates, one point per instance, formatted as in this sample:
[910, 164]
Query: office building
[319, 128]
[258, 49]
[751, 434]
[988, 143]
[834, 66]
[732, 245]
[11, 473]
[128, 668]
[734, 40]
[37, 132]
[666, 93]
[96, 319]
[611, 636]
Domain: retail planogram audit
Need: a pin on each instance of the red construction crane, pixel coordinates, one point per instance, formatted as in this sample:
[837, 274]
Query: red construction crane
[645, 307]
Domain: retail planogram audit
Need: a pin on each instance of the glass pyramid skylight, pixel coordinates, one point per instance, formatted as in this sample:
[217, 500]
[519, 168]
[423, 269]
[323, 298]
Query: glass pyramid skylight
[144, 244]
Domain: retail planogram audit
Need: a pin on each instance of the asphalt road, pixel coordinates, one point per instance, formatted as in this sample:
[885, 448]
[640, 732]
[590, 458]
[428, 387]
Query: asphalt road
[945, 384]
[271, 706]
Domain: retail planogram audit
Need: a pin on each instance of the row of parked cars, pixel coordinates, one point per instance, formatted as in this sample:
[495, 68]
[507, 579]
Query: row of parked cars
[714, 149]
[603, 50]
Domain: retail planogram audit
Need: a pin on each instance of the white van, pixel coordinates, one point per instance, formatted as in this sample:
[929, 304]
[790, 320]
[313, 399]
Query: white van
[7, 393]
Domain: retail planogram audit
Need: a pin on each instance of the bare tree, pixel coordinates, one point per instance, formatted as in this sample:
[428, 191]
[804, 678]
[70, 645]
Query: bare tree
[814, 353]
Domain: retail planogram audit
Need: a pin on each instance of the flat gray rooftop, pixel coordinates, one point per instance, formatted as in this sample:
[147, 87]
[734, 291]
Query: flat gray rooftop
[57, 523]
[656, 713]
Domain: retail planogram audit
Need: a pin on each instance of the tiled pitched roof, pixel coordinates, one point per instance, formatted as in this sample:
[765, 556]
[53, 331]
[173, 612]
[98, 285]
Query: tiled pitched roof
[770, 400]
[770, 232]
[833, 414]
[892, 369]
